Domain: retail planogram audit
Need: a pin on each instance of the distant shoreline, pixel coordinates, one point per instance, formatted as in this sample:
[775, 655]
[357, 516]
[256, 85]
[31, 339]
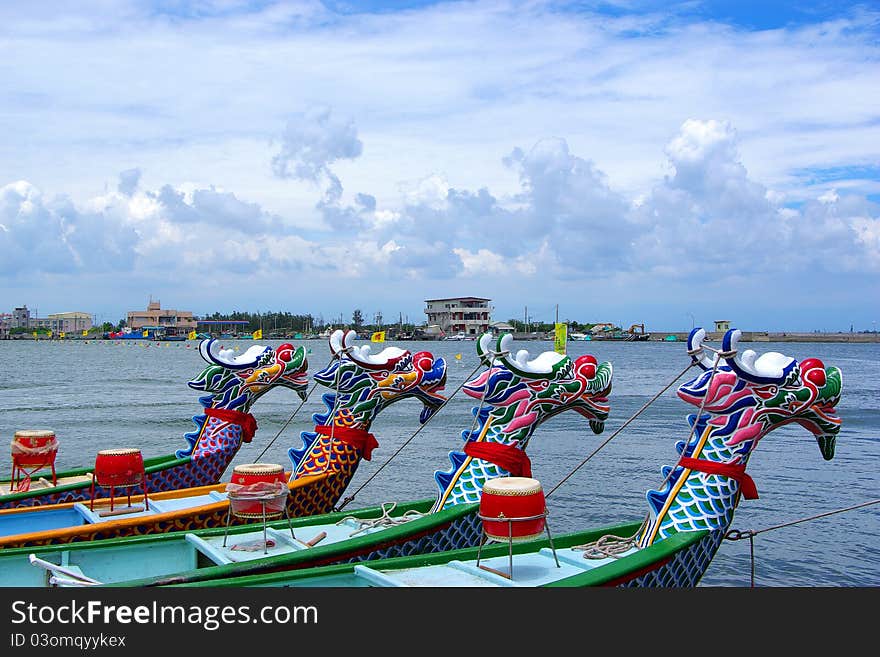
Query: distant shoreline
[784, 336]
[660, 336]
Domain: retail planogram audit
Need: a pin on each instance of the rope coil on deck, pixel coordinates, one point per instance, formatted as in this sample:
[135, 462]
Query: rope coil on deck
[385, 520]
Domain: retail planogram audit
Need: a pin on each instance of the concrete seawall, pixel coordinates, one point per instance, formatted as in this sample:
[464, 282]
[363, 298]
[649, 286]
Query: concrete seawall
[747, 336]
[765, 336]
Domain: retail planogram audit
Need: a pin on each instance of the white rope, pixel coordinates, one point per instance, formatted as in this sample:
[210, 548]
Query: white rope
[385, 520]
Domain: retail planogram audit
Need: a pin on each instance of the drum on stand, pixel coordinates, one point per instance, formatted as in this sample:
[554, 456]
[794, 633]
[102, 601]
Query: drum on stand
[513, 509]
[119, 468]
[34, 449]
[245, 502]
[257, 491]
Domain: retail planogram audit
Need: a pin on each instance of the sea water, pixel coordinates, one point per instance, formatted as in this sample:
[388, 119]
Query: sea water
[102, 394]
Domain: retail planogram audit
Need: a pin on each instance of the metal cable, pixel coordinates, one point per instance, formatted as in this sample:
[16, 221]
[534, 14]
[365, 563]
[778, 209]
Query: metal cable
[738, 535]
[296, 410]
[621, 428]
[399, 449]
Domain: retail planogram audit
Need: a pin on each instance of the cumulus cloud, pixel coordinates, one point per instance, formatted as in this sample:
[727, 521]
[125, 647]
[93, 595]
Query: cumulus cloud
[312, 141]
[52, 236]
[128, 181]
[707, 222]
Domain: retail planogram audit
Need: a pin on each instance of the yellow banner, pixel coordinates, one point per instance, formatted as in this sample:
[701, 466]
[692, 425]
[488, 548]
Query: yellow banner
[378, 336]
[258, 334]
[191, 335]
[85, 331]
[560, 338]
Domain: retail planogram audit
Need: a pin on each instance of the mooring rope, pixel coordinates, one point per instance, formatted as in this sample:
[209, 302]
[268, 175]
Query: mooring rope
[385, 520]
[399, 449]
[296, 410]
[611, 545]
[738, 535]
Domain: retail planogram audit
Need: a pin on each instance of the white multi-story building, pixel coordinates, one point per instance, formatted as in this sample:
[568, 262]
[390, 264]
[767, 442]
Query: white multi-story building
[468, 315]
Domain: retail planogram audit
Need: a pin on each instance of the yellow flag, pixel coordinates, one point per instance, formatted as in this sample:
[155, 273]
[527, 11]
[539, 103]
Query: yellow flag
[560, 338]
[146, 333]
[378, 336]
[85, 332]
[457, 356]
[258, 334]
[191, 335]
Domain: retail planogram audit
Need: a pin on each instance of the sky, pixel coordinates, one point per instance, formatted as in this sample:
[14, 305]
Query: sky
[626, 161]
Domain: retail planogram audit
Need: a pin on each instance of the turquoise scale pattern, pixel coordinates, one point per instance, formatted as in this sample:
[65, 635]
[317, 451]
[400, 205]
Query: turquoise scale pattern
[468, 486]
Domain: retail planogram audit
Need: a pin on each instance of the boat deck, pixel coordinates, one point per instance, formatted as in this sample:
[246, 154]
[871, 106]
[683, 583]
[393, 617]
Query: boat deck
[42, 483]
[246, 546]
[529, 570]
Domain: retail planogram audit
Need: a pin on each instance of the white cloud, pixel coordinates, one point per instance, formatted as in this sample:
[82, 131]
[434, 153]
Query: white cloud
[514, 142]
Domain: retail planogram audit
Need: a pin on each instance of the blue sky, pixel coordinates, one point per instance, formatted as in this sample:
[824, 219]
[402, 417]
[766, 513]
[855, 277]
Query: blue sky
[633, 161]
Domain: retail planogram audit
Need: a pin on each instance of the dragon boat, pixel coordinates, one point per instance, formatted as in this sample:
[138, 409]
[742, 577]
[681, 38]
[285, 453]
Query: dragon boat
[232, 383]
[363, 384]
[740, 400]
[516, 393]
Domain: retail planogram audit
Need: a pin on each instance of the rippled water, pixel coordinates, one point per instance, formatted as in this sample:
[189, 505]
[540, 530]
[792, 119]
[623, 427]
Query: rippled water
[104, 394]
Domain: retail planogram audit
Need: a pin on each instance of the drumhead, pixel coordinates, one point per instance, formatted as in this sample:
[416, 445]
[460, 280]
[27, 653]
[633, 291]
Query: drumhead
[122, 451]
[35, 433]
[512, 486]
[258, 469]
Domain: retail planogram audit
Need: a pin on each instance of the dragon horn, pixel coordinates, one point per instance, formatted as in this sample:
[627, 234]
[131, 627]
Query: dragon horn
[212, 352]
[695, 348]
[341, 341]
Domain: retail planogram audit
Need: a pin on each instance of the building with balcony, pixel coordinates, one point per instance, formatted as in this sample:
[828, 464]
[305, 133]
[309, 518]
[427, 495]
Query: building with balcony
[175, 322]
[468, 315]
[21, 317]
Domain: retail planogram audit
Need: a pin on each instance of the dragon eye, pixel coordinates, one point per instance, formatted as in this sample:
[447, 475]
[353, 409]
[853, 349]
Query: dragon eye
[813, 370]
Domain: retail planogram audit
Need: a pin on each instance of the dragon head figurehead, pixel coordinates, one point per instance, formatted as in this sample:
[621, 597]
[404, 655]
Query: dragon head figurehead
[236, 382]
[365, 383]
[751, 395]
[527, 391]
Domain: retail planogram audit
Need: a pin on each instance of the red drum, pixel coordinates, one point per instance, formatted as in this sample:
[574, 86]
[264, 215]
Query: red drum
[255, 483]
[513, 508]
[34, 448]
[119, 468]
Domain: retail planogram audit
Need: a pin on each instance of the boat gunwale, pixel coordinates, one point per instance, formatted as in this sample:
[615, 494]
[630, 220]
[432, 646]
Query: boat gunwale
[601, 575]
[59, 535]
[151, 464]
[320, 554]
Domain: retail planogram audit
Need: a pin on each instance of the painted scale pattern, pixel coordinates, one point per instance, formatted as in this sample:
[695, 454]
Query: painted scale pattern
[463, 532]
[514, 403]
[361, 392]
[740, 406]
[685, 569]
[213, 444]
